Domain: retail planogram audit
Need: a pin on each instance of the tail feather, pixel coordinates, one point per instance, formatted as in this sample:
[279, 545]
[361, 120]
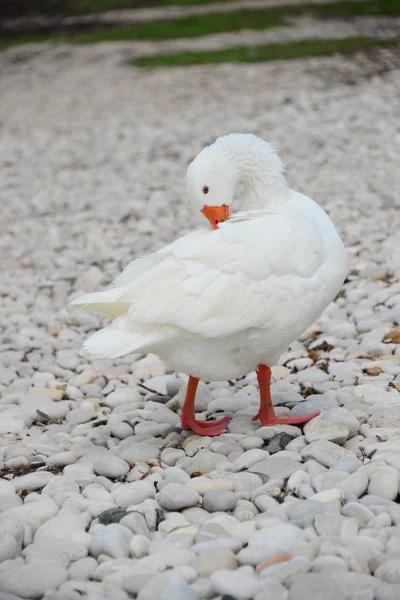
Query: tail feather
[111, 343]
[108, 302]
[125, 336]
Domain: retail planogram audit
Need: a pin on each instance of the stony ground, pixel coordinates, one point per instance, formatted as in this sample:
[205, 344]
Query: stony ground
[102, 495]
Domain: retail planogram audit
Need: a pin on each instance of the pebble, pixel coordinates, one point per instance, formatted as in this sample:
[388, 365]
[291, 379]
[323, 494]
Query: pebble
[82, 569]
[148, 587]
[31, 580]
[354, 485]
[250, 457]
[140, 452]
[110, 466]
[304, 511]
[313, 586]
[221, 559]
[219, 500]
[387, 592]
[287, 571]
[9, 548]
[176, 497]
[178, 591]
[279, 442]
[276, 466]
[359, 512]
[270, 540]
[326, 453]
[241, 584]
[317, 429]
[112, 540]
[245, 483]
[229, 543]
[389, 571]
[202, 485]
[32, 481]
[315, 403]
[384, 481]
[139, 546]
[328, 564]
[272, 590]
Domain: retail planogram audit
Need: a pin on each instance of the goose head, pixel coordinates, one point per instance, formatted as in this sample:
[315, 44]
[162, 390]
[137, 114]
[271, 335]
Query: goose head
[211, 180]
[213, 176]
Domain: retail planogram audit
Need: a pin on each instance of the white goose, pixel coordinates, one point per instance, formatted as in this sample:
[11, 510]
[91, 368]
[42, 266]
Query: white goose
[217, 304]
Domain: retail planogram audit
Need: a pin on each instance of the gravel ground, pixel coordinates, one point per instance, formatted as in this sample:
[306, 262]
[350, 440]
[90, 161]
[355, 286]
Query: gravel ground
[102, 494]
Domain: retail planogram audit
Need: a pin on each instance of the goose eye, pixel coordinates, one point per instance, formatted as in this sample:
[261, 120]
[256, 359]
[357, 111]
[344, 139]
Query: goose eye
[206, 189]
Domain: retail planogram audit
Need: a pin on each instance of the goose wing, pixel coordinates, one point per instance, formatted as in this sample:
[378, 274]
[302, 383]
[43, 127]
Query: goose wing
[217, 283]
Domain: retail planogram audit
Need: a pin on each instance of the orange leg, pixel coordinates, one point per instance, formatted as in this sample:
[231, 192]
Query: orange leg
[266, 414]
[188, 420]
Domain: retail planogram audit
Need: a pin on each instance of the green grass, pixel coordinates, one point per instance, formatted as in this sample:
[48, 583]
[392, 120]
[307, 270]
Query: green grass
[247, 54]
[198, 25]
[340, 9]
[188, 27]
[347, 7]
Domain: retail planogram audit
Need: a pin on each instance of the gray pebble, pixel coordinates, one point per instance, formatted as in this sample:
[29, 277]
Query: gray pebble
[178, 591]
[110, 466]
[313, 586]
[176, 497]
[219, 500]
[141, 452]
[277, 467]
[279, 442]
[112, 540]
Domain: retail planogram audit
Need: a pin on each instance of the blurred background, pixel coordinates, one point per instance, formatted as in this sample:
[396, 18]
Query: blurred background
[313, 28]
[105, 102]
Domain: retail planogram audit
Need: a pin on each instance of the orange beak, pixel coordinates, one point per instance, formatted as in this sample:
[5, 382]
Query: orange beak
[216, 214]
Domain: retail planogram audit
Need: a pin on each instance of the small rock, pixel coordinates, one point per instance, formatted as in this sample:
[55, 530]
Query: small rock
[354, 485]
[285, 572]
[313, 586]
[277, 467]
[82, 569]
[111, 515]
[389, 571]
[31, 581]
[208, 562]
[241, 585]
[317, 429]
[314, 403]
[9, 548]
[176, 497]
[178, 591]
[326, 453]
[204, 484]
[385, 481]
[140, 452]
[329, 564]
[112, 540]
[219, 500]
[279, 442]
[110, 466]
[272, 590]
[32, 481]
[269, 541]
[388, 592]
[359, 512]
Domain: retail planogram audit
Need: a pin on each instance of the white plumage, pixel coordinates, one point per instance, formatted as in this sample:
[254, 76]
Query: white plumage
[217, 303]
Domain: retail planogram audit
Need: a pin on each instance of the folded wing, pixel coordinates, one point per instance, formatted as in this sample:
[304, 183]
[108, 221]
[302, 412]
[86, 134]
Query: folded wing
[217, 283]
